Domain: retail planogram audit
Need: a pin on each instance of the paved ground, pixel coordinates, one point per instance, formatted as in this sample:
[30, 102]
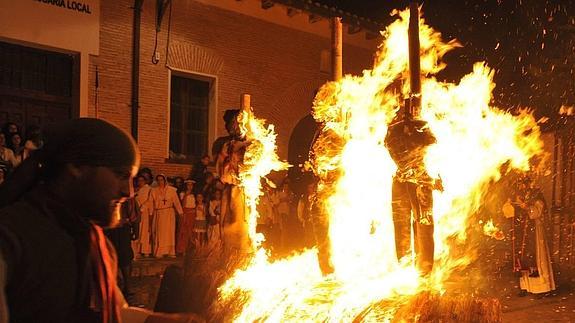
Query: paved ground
[555, 307]
[146, 278]
[550, 309]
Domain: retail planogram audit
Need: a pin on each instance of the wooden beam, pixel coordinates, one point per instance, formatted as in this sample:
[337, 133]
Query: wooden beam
[314, 18]
[292, 11]
[266, 4]
[353, 29]
[325, 11]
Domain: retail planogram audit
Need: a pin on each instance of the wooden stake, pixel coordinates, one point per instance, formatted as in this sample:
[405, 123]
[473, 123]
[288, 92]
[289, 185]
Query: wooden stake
[336, 48]
[245, 103]
[414, 60]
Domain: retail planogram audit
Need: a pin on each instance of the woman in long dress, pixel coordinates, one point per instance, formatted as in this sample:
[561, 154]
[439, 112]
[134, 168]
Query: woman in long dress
[200, 223]
[166, 206]
[186, 233]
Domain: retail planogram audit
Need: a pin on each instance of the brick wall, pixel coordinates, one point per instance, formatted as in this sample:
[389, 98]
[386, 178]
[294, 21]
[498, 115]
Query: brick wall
[278, 66]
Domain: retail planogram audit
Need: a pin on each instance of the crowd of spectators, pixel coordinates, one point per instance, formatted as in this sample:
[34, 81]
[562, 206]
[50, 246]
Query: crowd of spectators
[16, 144]
[195, 216]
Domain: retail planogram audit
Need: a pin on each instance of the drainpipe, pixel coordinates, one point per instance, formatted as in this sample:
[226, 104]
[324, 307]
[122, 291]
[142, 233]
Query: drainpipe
[136, 67]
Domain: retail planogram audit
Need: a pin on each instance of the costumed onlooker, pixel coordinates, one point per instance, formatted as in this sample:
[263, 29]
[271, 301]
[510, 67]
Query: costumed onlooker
[186, 232]
[166, 207]
[149, 176]
[10, 128]
[33, 141]
[179, 184]
[144, 201]
[215, 216]
[55, 263]
[201, 223]
[7, 158]
[15, 144]
[531, 252]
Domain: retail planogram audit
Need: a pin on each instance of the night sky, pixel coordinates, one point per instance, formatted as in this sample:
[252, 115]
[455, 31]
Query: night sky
[529, 43]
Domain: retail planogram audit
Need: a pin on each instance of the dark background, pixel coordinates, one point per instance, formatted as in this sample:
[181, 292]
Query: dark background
[529, 43]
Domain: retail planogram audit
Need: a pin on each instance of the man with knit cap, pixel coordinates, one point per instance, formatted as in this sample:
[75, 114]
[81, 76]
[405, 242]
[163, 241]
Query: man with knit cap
[55, 263]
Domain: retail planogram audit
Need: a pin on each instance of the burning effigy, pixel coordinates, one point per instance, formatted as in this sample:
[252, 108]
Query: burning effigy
[367, 278]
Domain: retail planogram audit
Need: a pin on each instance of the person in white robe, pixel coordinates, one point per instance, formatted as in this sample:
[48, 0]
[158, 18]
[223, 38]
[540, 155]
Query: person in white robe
[539, 279]
[166, 205]
[144, 201]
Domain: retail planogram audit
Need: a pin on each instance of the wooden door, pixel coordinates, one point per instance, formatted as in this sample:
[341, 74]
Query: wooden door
[37, 87]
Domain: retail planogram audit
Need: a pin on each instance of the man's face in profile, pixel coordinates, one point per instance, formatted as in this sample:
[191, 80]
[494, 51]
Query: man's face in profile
[233, 127]
[102, 190]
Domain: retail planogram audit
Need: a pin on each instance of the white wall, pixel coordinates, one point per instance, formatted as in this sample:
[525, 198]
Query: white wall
[55, 25]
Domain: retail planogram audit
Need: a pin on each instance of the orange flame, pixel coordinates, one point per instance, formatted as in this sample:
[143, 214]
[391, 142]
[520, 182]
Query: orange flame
[259, 160]
[473, 140]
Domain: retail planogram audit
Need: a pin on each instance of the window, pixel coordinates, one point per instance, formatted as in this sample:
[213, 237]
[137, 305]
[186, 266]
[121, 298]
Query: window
[189, 117]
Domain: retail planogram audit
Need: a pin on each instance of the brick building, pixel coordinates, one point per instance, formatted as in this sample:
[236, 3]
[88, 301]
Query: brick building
[196, 57]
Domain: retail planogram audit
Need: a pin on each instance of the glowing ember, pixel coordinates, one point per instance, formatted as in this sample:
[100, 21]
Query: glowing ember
[490, 230]
[566, 110]
[473, 140]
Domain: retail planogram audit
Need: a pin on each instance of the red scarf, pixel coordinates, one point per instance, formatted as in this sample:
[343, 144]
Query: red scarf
[103, 297]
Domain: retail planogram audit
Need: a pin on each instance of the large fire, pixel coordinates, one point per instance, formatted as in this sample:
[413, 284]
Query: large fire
[474, 139]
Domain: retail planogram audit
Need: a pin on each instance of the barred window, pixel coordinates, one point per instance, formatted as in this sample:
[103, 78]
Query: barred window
[189, 117]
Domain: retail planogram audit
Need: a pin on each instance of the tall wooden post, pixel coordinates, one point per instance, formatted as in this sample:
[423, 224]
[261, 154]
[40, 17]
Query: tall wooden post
[245, 101]
[414, 60]
[336, 48]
